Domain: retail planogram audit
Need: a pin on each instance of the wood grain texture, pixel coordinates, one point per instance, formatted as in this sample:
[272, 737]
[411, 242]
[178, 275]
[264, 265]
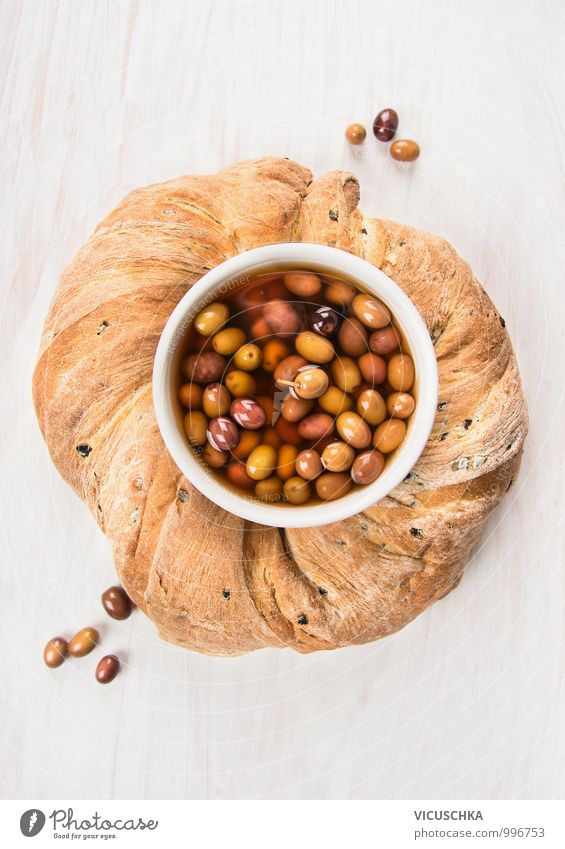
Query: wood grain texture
[97, 99]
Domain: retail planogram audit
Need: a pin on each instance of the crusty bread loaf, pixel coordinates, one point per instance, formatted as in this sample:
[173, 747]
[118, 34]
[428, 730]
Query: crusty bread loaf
[209, 580]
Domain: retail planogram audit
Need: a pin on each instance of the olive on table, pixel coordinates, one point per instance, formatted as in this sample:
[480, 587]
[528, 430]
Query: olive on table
[316, 426]
[274, 352]
[385, 125]
[400, 372]
[311, 383]
[333, 485]
[371, 406]
[222, 433]
[355, 133]
[216, 400]
[297, 490]
[338, 456]
[384, 341]
[116, 602]
[55, 652]
[248, 440]
[389, 435]
[107, 669]
[339, 292]
[325, 320]
[295, 409]
[335, 401]
[288, 368]
[83, 642]
[286, 461]
[367, 467]
[195, 427]
[372, 368]
[304, 284]
[314, 347]
[248, 413]
[370, 311]
[237, 474]
[214, 458]
[405, 150]
[190, 396]
[353, 337]
[205, 367]
[228, 341]
[249, 357]
[211, 318]
[240, 383]
[353, 429]
[400, 405]
[309, 464]
[261, 462]
[269, 489]
[346, 375]
[282, 318]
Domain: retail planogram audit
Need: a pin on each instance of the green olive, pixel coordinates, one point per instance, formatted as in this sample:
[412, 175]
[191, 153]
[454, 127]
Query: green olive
[314, 347]
[211, 318]
[346, 374]
[371, 406]
[248, 357]
[353, 430]
[216, 400]
[338, 456]
[195, 427]
[335, 401]
[311, 383]
[261, 462]
[228, 340]
[240, 383]
[371, 312]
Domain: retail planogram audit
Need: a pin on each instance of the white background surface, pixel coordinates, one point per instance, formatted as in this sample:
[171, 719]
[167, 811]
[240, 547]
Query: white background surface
[98, 98]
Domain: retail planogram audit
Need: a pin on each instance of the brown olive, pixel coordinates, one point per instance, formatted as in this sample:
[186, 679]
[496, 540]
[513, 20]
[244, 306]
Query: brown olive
[222, 434]
[367, 467]
[282, 318]
[352, 337]
[371, 406]
[309, 464]
[355, 133]
[354, 430]
[338, 456]
[333, 485]
[214, 458]
[116, 602]
[297, 490]
[314, 347]
[261, 462]
[400, 372]
[346, 374]
[372, 368]
[400, 405]
[389, 435]
[248, 440]
[107, 669]
[294, 409]
[384, 341]
[206, 367]
[274, 353]
[190, 396]
[405, 150]
[288, 368]
[335, 401]
[195, 427]
[339, 292]
[227, 341]
[316, 426]
[371, 312]
[83, 642]
[211, 318]
[237, 474]
[240, 383]
[311, 383]
[248, 357]
[248, 413]
[269, 489]
[55, 652]
[304, 284]
[385, 125]
[216, 400]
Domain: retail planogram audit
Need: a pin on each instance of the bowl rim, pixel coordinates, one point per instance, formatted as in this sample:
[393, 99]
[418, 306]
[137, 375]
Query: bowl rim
[314, 257]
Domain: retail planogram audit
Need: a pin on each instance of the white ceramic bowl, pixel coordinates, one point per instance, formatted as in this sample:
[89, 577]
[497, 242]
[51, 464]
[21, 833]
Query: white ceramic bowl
[224, 279]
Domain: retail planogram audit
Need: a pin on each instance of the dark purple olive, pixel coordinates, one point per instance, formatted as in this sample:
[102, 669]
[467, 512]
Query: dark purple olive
[385, 125]
[248, 413]
[116, 603]
[222, 434]
[325, 320]
[206, 367]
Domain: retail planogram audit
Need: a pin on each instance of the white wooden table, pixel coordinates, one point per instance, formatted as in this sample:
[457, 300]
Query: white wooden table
[98, 98]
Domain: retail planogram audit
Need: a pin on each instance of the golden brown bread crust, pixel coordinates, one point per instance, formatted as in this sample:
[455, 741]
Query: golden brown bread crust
[211, 581]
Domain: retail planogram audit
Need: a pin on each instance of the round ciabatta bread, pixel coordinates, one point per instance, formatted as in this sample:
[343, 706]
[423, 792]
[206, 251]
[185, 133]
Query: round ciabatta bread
[209, 580]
